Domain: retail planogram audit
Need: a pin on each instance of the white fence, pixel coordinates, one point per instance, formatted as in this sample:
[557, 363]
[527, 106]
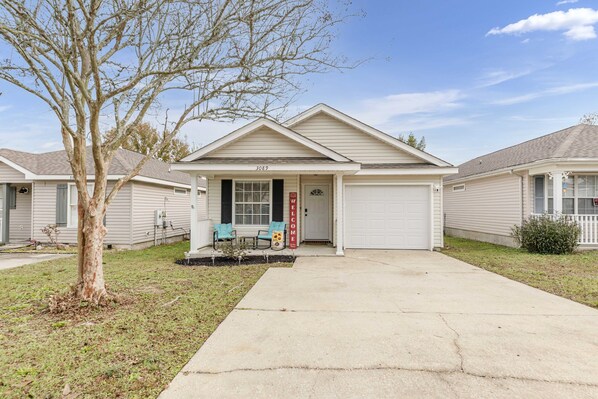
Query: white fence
[588, 225]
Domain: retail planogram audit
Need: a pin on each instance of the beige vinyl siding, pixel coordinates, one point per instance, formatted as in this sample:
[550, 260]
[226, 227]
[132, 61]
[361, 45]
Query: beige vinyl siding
[147, 198]
[489, 205]
[202, 206]
[10, 175]
[118, 216]
[351, 142]
[20, 217]
[291, 183]
[264, 142]
[418, 180]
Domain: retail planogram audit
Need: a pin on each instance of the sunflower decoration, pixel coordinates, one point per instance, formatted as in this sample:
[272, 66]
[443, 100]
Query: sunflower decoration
[277, 240]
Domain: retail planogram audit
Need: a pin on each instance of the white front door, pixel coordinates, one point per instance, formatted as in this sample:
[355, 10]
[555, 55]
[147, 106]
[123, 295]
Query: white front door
[316, 208]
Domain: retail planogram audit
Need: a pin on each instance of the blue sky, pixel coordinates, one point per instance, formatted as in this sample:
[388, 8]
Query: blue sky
[470, 76]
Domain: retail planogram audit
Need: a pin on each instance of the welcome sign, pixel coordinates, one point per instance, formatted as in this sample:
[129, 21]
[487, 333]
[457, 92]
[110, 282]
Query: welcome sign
[293, 220]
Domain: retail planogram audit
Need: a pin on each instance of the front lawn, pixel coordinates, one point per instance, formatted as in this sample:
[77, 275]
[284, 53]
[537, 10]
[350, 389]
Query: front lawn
[132, 350]
[570, 276]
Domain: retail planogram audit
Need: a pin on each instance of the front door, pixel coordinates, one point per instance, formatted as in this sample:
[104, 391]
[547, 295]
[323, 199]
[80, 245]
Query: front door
[316, 209]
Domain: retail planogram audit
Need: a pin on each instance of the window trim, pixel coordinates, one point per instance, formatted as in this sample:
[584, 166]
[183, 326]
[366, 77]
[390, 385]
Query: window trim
[234, 213]
[174, 189]
[459, 188]
[69, 225]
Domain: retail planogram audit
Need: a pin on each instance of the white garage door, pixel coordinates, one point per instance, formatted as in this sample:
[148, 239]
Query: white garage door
[387, 217]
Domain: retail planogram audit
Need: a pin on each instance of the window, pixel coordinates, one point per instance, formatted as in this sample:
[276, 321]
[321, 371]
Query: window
[568, 196]
[539, 194]
[72, 201]
[587, 190]
[252, 203]
[460, 187]
[180, 191]
[12, 199]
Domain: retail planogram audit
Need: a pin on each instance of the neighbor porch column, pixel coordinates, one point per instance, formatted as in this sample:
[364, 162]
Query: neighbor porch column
[4, 236]
[194, 233]
[557, 192]
[340, 242]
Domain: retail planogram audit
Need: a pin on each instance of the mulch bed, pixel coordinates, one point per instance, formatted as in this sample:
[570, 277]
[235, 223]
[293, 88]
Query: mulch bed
[222, 261]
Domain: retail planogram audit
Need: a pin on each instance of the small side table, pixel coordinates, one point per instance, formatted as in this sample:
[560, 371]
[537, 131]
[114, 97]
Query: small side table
[249, 242]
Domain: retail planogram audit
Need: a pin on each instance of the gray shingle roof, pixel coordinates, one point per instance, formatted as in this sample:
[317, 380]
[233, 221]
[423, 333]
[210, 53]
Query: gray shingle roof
[580, 141]
[56, 163]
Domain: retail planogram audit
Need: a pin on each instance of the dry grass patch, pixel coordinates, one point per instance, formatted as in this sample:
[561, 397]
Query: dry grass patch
[130, 348]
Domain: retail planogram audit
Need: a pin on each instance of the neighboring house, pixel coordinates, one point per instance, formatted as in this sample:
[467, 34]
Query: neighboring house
[556, 173]
[355, 186]
[38, 189]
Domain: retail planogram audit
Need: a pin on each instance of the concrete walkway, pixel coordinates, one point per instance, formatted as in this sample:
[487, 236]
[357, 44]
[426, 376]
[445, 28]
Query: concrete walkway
[11, 260]
[389, 324]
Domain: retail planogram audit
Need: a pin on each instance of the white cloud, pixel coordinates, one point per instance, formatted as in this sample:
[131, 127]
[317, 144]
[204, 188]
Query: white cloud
[562, 2]
[5, 107]
[378, 111]
[577, 24]
[554, 91]
[498, 76]
[426, 123]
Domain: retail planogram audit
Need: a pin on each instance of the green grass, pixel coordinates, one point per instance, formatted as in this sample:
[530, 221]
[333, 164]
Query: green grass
[571, 276]
[131, 350]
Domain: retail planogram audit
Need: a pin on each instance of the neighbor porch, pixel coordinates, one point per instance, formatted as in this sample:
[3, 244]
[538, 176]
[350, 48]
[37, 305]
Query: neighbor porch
[571, 192]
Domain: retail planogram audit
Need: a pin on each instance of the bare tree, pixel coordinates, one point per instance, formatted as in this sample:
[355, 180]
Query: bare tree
[589, 119]
[113, 61]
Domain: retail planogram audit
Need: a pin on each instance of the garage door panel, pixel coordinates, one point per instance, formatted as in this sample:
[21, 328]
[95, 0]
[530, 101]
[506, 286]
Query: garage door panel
[387, 217]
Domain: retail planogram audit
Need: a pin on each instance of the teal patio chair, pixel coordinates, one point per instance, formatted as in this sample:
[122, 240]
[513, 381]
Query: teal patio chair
[223, 232]
[266, 235]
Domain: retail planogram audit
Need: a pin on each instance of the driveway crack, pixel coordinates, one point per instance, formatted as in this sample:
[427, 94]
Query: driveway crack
[455, 341]
[440, 372]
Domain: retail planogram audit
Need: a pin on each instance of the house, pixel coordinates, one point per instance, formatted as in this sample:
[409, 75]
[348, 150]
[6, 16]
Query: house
[37, 190]
[330, 177]
[556, 173]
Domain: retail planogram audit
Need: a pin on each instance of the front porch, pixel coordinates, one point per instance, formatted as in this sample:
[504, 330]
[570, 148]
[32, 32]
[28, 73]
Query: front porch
[301, 251]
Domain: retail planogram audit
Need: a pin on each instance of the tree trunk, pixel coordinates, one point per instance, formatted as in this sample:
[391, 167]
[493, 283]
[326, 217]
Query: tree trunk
[91, 285]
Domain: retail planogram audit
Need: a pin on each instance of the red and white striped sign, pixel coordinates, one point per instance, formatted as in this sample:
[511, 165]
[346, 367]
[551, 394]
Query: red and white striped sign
[293, 220]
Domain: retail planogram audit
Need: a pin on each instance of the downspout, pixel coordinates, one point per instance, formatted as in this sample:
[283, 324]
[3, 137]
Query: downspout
[522, 191]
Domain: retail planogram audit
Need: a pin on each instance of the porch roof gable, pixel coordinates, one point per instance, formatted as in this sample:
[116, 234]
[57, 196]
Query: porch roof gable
[254, 126]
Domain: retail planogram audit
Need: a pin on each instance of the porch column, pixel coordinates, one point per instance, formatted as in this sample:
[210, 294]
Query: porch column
[4, 234]
[194, 233]
[339, 216]
[557, 192]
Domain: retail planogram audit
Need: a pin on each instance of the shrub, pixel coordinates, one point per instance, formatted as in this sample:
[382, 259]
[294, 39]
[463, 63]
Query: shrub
[52, 232]
[231, 251]
[547, 235]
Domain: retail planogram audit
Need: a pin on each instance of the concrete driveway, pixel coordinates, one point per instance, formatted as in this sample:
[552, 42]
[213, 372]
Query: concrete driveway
[13, 259]
[395, 324]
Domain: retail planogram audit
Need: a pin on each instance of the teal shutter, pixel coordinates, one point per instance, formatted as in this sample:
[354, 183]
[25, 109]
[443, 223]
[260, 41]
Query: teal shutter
[61, 204]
